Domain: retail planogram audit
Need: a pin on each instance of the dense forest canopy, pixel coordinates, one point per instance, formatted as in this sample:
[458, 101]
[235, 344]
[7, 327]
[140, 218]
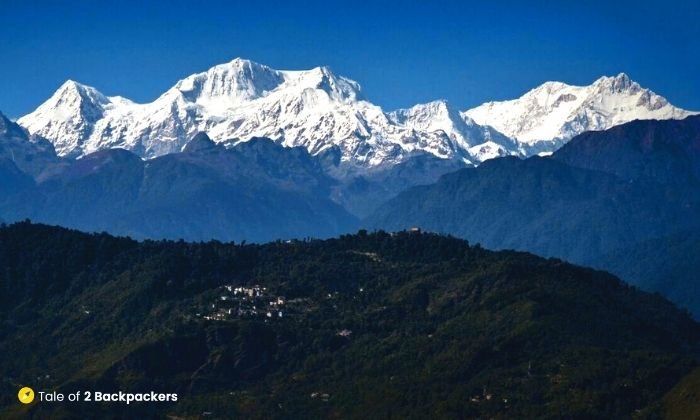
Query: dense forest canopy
[404, 325]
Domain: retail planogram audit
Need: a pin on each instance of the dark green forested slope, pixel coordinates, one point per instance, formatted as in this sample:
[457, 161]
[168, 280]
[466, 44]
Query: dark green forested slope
[374, 325]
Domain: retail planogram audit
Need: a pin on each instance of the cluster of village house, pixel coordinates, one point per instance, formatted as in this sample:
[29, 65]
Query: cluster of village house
[251, 302]
[245, 302]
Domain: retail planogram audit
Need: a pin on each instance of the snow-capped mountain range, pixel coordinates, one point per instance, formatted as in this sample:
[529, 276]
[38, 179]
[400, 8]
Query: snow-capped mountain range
[320, 110]
[548, 116]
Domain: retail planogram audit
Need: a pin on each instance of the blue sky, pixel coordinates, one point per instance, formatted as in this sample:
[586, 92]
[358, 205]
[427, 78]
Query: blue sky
[402, 53]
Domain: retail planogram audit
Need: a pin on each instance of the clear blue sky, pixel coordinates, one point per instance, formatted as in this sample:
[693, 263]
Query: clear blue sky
[401, 52]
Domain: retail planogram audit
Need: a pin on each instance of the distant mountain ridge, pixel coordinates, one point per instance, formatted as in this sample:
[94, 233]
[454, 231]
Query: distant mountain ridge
[604, 194]
[321, 111]
[659, 151]
[256, 191]
[32, 155]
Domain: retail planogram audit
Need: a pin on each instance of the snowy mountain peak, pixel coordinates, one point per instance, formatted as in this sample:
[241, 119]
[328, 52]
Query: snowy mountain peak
[472, 142]
[546, 117]
[236, 80]
[323, 78]
[71, 86]
[437, 107]
[76, 96]
[419, 115]
[434, 116]
[244, 80]
[68, 117]
[617, 84]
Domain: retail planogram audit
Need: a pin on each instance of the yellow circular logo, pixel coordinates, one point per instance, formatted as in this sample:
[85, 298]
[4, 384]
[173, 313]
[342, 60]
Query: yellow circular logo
[25, 395]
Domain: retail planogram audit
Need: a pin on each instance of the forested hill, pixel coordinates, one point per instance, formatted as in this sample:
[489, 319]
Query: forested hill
[406, 325]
